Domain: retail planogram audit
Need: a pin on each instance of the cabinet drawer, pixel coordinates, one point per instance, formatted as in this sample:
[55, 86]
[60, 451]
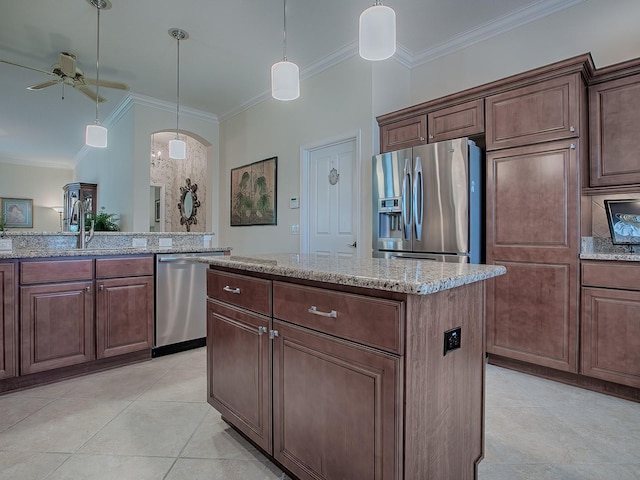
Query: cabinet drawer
[611, 275]
[124, 267]
[46, 271]
[371, 321]
[246, 292]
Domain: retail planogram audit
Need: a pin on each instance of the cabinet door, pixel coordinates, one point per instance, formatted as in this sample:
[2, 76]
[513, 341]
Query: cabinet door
[613, 127]
[533, 230]
[457, 121]
[56, 326]
[238, 374]
[545, 111]
[7, 322]
[403, 134]
[611, 335]
[124, 315]
[337, 407]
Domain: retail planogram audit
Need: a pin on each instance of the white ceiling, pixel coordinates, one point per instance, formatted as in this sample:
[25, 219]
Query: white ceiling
[224, 65]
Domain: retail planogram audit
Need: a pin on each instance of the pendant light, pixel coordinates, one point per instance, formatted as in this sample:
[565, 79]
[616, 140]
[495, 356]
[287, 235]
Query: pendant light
[96, 134]
[285, 75]
[177, 147]
[377, 32]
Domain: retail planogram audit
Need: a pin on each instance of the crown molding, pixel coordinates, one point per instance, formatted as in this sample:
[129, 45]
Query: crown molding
[491, 29]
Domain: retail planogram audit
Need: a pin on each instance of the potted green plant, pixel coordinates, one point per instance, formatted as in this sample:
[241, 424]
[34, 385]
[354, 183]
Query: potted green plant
[103, 221]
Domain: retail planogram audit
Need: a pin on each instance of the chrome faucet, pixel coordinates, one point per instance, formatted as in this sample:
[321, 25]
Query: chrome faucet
[78, 215]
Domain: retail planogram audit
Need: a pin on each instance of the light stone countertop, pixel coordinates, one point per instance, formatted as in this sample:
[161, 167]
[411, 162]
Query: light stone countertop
[418, 277]
[90, 252]
[595, 248]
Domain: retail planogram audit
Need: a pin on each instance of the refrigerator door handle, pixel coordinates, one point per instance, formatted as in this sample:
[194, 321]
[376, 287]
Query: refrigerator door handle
[406, 200]
[418, 198]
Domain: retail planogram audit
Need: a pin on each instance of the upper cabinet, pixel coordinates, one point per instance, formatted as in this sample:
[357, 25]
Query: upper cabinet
[541, 112]
[458, 121]
[614, 116]
[403, 134]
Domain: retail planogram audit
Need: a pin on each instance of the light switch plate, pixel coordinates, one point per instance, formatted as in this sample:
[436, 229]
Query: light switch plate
[294, 202]
[165, 242]
[6, 244]
[140, 242]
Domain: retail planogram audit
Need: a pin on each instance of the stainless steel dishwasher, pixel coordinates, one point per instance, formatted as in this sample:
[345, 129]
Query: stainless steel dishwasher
[181, 293]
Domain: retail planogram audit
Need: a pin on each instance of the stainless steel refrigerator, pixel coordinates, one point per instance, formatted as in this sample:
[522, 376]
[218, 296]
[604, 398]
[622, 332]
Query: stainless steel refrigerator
[428, 203]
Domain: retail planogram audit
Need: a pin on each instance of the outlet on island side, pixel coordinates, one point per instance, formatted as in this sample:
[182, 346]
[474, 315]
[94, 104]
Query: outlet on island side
[452, 340]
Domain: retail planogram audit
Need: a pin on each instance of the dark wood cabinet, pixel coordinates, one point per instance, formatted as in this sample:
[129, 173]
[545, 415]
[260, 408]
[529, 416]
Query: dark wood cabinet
[533, 230]
[8, 329]
[124, 305]
[611, 321]
[457, 121]
[338, 382]
[614, 116]
[403, 134]
[239, 352]
[56, 325]
[544, 111]
[336, 407]
[56, 314]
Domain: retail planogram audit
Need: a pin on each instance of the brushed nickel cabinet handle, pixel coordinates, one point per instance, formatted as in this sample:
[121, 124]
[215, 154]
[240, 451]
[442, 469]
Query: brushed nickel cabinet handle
[315, 311]
[101, 287]
[88, 289]
[262, 330]
[231, 290]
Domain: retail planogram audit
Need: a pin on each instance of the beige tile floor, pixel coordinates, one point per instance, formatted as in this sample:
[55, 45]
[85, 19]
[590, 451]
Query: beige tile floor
[151, 421]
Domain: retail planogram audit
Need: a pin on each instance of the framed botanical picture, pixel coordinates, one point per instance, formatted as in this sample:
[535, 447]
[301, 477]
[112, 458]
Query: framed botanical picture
[253, 193]
[17, 212]
[624, 221]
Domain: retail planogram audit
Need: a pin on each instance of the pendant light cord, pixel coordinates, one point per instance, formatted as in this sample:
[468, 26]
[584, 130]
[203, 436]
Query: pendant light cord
[98, 65]
[284, 32]
[178, 90]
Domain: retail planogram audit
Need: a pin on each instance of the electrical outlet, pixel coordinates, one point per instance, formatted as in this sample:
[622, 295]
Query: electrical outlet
[295, 229]
[164, 242]
[452, 339]
[6, 244]
[139, 243]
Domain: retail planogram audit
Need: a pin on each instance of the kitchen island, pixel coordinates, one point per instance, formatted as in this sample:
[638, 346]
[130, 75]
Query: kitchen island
[347, 368]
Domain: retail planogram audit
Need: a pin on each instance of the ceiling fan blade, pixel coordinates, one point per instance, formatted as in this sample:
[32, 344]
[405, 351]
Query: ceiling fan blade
[107, 83]
[28, 68]
[89, 93]
[40, 86]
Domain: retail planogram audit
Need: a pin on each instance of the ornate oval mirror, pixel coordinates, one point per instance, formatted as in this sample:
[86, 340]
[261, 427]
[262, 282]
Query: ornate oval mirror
[188, 205]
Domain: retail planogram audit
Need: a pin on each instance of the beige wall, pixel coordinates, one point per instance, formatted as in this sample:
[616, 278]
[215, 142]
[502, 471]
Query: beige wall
[42, 184]
[607, 29]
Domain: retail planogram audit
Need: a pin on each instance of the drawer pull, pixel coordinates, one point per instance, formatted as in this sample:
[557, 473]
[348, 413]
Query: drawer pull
[262, 330]
[315, 311]
[231, 290]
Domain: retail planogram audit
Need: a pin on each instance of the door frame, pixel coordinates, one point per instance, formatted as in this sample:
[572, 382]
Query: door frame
[161, 186]
[305, 159]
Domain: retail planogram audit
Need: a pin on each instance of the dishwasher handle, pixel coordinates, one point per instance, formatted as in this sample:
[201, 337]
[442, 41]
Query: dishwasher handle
[178, 259]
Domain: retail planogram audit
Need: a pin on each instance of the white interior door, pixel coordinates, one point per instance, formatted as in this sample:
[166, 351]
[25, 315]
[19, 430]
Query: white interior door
[332, 199]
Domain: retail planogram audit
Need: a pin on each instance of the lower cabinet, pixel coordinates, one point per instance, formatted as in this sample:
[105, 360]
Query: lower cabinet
[334, 406]
[8, 330]
[611, 322]
[68, 317]
[238, 369]
[56, 314]
[124, 305]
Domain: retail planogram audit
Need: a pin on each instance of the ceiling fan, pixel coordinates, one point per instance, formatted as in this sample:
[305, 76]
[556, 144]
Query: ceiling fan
[67, 72]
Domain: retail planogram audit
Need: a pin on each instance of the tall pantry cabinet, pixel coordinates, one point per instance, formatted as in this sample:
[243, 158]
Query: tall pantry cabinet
[533, 216]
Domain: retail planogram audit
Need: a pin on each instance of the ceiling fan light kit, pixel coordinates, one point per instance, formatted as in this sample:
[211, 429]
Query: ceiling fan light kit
[285, 75]
[177, 147]
[377, 33]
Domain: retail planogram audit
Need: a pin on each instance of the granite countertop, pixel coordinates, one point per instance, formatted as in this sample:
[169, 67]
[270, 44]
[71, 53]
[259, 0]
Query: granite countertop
[418, 277]
[595, 248]
[90, 252]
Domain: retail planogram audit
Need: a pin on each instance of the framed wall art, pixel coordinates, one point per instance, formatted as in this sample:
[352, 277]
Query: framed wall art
[624, 221]
[17, 212]
[253, 193]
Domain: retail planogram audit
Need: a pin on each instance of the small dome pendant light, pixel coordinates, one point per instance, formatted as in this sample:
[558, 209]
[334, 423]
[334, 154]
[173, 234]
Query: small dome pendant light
[285, 75]
[377, 39]
[96, 134]
[177, 147]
